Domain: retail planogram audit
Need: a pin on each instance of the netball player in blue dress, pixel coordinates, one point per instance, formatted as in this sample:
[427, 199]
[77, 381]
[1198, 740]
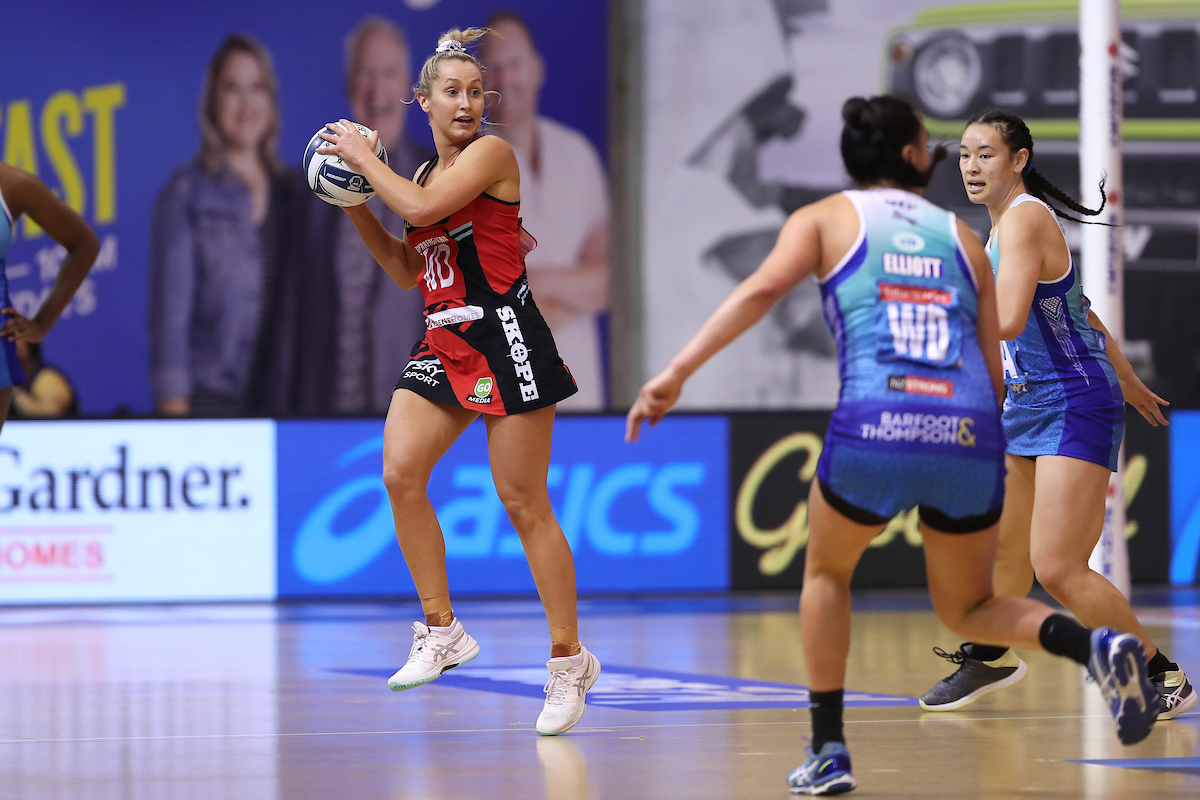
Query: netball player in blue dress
[908, 296]
[22, 193]
[1067, 383]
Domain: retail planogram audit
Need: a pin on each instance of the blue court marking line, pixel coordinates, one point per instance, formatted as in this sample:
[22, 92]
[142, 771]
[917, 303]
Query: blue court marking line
[1184, 766]
[639, 689]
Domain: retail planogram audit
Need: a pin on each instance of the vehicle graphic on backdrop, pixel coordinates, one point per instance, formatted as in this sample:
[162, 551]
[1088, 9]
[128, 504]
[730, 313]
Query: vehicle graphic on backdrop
[954, 61]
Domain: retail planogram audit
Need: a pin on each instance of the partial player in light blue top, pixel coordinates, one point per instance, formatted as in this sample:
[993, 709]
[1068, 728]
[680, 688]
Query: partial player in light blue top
[1063, 415]
[23, 194]
[909, 296]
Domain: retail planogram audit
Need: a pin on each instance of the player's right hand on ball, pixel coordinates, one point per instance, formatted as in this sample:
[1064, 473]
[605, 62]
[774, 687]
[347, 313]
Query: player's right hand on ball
[347, 142]
[653, 402]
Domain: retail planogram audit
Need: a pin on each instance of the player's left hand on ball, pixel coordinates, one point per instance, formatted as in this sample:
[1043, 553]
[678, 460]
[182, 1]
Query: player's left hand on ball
[347, 142]
[20, 328]
[653, 402]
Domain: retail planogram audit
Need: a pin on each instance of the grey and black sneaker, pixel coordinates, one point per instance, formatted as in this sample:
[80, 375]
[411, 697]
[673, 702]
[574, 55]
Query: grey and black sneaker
[972, 680]
[1176, 692]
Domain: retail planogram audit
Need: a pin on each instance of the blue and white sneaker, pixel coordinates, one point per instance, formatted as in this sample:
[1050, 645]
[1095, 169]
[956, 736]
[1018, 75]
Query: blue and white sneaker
[1118, 665]
[826, 772]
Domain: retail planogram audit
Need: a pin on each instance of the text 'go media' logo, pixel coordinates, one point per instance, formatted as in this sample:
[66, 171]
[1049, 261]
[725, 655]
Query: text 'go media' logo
[612, 500]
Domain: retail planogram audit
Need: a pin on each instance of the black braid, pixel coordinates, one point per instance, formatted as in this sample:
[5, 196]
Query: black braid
[1017, 137]
[1043, 189]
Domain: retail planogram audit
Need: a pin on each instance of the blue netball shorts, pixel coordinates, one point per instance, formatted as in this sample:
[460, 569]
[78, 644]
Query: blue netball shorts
[11, 373]
[1090, 434]
[870, 474]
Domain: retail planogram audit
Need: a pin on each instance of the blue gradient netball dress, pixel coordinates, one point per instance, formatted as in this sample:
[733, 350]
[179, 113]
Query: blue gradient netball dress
[10, 368]
[917, 422]
[1063, 394]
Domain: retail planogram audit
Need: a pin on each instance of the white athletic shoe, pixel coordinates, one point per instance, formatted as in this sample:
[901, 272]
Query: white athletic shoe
[565, 693]
[432, 653]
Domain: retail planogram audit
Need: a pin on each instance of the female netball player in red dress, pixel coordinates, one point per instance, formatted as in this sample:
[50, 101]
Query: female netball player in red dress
[486, 350]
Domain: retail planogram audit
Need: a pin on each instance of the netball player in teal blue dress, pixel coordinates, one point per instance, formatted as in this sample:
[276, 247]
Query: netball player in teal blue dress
[1064, 416]
[909, 298]
[22, 193]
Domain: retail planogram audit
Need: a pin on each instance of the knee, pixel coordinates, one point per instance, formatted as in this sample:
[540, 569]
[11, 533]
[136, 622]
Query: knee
[525, 506]
[816, 568]
[953, 611]
[403, 481]
[1055, 575]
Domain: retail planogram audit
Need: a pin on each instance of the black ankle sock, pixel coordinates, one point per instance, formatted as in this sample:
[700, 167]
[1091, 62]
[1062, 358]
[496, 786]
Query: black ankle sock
[826, 708]
[1160, 664]
[986, 652]
[1063, 636]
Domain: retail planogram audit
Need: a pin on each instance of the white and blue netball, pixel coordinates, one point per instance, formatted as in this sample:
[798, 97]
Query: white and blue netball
[335, 181]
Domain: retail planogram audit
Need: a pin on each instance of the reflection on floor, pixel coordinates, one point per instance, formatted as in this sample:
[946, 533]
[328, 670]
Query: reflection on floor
[701, 698]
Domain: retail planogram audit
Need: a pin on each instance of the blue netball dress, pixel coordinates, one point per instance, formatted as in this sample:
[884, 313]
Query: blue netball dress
[11, 373]
[1063, 394]
[917, 421]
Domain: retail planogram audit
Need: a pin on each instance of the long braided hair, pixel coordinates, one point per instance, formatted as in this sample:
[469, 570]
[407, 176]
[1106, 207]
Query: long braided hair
[1016, 136]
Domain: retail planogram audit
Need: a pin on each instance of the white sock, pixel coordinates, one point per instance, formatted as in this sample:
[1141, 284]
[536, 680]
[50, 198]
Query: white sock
[579, 659]
[443, 629]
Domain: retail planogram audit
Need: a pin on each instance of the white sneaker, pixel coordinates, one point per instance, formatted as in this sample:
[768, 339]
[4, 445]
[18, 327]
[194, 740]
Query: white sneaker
[432, 653]
[565, 692]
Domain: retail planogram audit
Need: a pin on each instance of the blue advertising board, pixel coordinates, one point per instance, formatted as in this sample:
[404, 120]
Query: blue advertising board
[100, 101]
[1185, 496]
[650, 516]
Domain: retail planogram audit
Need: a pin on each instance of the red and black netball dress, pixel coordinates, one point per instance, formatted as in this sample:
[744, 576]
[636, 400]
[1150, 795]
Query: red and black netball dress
[486, 345]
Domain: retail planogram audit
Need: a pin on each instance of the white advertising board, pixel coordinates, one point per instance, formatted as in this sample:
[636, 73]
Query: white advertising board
[137, 511]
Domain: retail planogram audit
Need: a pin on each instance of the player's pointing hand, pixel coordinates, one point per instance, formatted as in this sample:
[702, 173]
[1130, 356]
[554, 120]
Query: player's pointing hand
[653, 402]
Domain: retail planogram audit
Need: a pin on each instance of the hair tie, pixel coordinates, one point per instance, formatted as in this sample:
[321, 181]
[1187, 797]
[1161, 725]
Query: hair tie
[1028, 166]
[448, 45]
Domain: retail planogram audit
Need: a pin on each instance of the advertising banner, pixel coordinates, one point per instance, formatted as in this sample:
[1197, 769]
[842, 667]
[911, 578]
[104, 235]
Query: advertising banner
[1148, 499]
[773, 458]
[650, 516]
[772, 461]
[104, 103]
[137, 511]
[1185, 497]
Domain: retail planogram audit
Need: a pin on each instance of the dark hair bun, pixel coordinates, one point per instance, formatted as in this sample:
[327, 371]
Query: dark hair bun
[876, 132]
[853, 110]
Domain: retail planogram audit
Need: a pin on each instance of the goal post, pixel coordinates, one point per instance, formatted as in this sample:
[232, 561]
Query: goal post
[1102, 256]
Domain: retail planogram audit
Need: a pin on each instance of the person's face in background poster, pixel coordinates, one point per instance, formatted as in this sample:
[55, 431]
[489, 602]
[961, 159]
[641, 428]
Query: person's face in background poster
[243, 102]
[515, 70]
[377, 85]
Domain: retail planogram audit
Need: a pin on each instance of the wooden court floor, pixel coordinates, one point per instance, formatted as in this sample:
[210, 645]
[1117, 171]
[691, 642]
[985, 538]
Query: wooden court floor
[700, 698]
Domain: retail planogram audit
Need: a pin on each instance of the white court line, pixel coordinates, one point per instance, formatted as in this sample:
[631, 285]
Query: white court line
[610, 729]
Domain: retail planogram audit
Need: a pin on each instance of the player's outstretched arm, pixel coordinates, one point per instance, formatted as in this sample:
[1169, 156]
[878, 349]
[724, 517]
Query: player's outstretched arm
[1147, 403]
[795, 255]
[25, 194]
